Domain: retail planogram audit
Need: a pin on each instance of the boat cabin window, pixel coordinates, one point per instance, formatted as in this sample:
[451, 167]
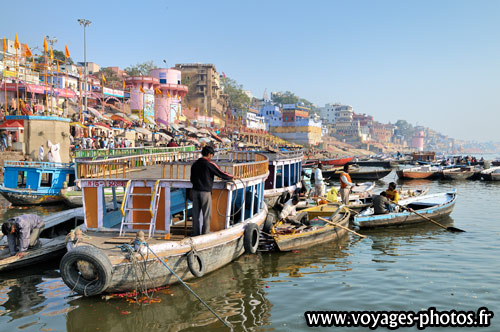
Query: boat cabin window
[70, 179]
[21, 179]
[46, 180]
[279, 177]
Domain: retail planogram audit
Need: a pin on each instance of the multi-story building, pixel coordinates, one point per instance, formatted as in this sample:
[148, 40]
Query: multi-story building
[382, 133]
[272, 115]
[205, 93]
[294, 112]
[92, 67]
[344, 113]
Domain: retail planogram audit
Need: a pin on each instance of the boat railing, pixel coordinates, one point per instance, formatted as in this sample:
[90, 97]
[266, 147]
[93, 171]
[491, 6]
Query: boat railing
[96, 153]
[239, 164]
[37, 164]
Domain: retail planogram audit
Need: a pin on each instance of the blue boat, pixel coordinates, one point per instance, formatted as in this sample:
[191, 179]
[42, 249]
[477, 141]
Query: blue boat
[431, 206]
[31, 182]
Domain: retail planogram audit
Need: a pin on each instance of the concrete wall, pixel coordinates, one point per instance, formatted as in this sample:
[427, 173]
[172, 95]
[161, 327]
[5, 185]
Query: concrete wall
[39, 129]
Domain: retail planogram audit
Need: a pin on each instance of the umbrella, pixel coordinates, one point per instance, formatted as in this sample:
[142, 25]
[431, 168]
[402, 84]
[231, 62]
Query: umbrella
[119, 118]
[133, 117]
[194, 140]
[78, 124]
[226, 140]
[165, 136]
[175, 127]
[191, 129]
[120, 114]
[142, 131]
[203, 131]
[94, 112]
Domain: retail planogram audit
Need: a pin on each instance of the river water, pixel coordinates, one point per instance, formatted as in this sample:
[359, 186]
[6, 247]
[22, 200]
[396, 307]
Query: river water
[411, 268]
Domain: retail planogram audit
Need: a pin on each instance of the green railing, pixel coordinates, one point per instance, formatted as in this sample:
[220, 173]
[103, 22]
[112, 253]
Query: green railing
[102, 153]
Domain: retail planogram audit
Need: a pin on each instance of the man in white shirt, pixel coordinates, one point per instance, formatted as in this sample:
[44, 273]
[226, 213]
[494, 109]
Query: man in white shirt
[318, 181]
[289, 211]
[41, 151]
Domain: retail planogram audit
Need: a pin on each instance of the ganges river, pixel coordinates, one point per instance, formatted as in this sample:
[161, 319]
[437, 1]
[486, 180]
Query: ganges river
[397, 269]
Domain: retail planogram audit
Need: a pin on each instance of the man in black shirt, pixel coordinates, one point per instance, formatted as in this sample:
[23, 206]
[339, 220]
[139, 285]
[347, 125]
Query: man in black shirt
[202, 178]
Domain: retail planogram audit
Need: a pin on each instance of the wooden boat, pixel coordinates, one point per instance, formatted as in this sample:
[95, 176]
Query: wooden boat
[238, 211]
[289, 237]
[356, 204]
[336, 162]
[491, 174]
[422, 172]
[357, 174]
[72, 196]
[458, 173]
[33, 183]
[432, 206]
[284, 174]
[57, 225]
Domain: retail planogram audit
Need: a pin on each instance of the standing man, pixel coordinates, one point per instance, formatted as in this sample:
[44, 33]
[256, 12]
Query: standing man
[23, 232]
[345, 185]
[318, 180]
[40, 153]
[202, 178]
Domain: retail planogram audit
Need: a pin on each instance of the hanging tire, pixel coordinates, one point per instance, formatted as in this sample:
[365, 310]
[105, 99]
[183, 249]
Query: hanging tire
[195, 264]
[86, 270]
[251, 238]
[268, 224]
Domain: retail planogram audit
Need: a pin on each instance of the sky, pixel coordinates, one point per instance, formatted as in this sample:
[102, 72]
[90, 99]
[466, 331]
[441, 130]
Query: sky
[434, 63]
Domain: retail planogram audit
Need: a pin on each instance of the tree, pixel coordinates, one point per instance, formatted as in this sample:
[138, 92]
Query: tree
[111, 76]
[59, 55]
[141, 69]
[288, 97]
[404, 128]
[237, 98]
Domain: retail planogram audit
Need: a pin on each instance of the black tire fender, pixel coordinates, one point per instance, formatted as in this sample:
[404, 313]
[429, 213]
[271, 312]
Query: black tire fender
[268, 224]
[100, 267]
[195, 264]
[251, 238]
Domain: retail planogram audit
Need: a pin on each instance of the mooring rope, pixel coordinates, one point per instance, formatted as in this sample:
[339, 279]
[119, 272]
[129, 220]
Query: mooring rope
[190, 290]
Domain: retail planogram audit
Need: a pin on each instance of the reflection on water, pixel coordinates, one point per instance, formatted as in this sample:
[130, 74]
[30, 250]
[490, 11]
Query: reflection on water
[404, 268]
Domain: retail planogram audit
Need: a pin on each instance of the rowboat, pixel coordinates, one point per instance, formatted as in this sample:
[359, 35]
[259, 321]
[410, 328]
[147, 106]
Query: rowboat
[289, 237]
[106, 262]
[422, 172]
[357, 174]
[491, 174]
[52, 239]
[432, 206]
[356, 204]
[458, 173]
[336, 162]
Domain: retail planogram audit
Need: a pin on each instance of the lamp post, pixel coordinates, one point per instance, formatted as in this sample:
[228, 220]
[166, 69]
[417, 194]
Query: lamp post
[85, 23]
[52, 42]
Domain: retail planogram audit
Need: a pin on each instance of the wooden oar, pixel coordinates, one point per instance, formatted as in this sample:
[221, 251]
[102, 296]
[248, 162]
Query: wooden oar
[450, 229]
[337, 224]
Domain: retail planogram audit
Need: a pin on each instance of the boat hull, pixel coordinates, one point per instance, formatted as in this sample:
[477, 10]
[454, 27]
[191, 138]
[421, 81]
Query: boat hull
[214, 249]
[307, 239]
[271, 195]
[405, 218]
[50, 249]
[417, 175]
[29, 197]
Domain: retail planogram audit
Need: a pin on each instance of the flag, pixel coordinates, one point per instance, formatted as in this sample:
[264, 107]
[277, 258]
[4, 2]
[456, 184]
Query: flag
[4, 45]
[45, 47]
[27, 51]
[179, 97]
[168, 94]
[141, 89]
[51, 54]
[16, 43]
[158, 91]
[123, 84]
[196, 110]
[206, 112]
[224, 74]
[66, 51]
[103, 78]
[79, 71]
[57, 63]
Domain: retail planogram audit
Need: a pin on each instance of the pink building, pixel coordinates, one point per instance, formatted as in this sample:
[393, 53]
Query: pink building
[142, 103]
[168, 104]
[417, 141]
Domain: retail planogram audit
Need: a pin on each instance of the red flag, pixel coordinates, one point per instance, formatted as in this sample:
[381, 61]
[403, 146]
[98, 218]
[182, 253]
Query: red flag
[224, 74]
[141, 89]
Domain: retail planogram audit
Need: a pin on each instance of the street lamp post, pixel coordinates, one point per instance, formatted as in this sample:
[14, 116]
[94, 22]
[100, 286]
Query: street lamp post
[85, 23]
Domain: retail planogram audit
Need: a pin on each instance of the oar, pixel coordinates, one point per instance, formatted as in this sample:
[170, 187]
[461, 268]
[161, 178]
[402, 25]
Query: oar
[450, 229]
[343, 227]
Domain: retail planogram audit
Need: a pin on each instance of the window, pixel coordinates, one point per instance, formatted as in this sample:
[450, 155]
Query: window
[21, 179]
[163, 81]
[46, 180]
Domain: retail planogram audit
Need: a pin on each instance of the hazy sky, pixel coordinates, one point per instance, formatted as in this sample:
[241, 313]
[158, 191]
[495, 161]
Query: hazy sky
[435, 63]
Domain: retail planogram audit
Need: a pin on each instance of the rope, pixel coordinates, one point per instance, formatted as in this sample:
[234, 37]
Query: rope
[190, 290]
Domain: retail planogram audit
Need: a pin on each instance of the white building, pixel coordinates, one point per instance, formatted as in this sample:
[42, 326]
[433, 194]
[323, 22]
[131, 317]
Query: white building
[332, 113]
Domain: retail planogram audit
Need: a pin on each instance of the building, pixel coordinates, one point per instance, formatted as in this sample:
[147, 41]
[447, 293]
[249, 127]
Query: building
[168, 104]
[92, 67]
[205, 92]
[417, 141]
[294, 112]
[381, 133]
[272, 115]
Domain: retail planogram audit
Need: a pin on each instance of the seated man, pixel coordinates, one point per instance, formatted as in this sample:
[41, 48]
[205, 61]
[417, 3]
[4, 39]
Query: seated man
[381, 205]
[392, 193]
[23, 232]
[288, 212]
